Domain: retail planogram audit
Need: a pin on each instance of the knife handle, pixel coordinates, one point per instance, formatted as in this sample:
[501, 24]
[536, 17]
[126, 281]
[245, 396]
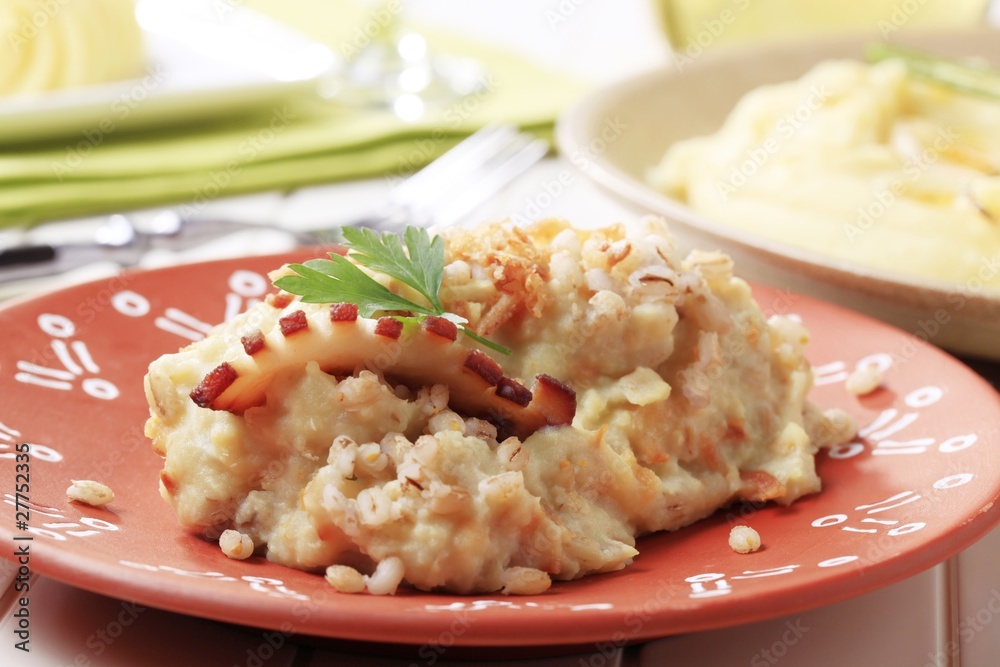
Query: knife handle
[28, 254]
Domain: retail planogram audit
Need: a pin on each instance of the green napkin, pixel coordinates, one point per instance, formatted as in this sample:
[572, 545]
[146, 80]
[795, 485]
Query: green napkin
[291, 145]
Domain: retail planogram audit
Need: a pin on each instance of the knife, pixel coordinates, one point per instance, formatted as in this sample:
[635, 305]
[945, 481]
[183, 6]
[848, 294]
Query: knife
[116, 240]
[119, 241]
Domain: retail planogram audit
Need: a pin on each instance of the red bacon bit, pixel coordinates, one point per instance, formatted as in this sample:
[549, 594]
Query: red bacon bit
[389, 327]
[292, 322]
[169, 485]
[484, 366]
[735, 431]
[514, 392]
[554, 400]
[253, 342]
[327, 531]
[279, 300]
[760, 486]
[216, 382]
[441, 327]
[343, 312]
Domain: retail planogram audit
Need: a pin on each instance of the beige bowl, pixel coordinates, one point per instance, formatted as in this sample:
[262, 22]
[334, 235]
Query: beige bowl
[618, 133]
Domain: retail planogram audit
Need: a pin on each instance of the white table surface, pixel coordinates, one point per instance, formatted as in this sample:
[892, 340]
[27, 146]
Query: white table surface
[947, 616]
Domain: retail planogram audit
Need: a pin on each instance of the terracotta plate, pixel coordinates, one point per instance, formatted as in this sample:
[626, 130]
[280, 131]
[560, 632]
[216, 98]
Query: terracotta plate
[920, 486]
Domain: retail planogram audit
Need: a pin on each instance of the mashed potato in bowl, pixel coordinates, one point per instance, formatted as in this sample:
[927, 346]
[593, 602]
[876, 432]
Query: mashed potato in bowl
[57, 44]
[860, 163]
[382, 454]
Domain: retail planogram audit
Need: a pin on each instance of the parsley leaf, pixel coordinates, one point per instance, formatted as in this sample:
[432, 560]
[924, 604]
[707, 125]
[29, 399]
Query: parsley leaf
[420, 265]
[318, 280]
[422, 269]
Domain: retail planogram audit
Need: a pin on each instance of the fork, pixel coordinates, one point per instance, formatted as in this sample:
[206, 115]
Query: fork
[461, 179]
[439, 194]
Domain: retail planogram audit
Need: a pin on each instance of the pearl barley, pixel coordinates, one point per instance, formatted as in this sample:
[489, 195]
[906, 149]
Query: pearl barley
[345, 579]
[744, 539]
[864, 380]
[236, 545]
[89, 492]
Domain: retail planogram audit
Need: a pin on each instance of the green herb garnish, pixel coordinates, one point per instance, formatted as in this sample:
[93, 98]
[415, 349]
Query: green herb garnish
[420, 265]
[969, 77]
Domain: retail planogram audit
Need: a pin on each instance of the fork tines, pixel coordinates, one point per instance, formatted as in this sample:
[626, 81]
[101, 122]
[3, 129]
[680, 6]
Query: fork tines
[461, 179]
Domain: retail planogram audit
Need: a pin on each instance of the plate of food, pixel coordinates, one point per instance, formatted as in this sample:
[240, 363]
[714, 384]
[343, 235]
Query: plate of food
[169, 62]
[854, 170]
[502, 437]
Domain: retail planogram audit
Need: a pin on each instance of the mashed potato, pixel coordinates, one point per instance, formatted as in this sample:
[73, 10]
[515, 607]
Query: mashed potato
[688, 399]
[55, 44]
[857, 162]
